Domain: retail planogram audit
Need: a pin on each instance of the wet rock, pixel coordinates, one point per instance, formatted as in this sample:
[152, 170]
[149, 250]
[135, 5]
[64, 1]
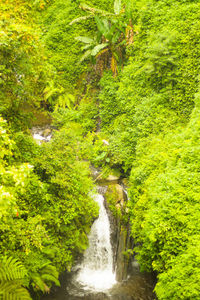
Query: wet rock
[125, 182]
[95, 172]
[120, 194]
[122, 260]
[115, 195]
[138, 287]
[111, 179]
[46, 132]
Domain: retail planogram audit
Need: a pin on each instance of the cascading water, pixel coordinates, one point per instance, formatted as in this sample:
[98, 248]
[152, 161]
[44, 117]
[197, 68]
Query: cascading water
[38, 134]
[94, 278]
[96, 271]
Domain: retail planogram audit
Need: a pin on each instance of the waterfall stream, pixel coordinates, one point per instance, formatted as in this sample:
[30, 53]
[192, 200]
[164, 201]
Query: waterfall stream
[94, 278]
[96, 271]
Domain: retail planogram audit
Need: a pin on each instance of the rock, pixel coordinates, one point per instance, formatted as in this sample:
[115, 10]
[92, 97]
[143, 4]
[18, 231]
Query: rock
[125, 182]
[120, 194]
[112, 179]
[117, 193]
[95, 172]
[122, 260]
[46, 132]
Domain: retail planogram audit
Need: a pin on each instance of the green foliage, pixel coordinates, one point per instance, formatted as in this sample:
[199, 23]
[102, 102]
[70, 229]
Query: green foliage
[23, 66]
[63, 53]
[182, 279]
[45, 210]
[146, 113]
[12, 278]
[165, 206]
[110, 36]
[156, 89]
[149, 117]
[84, 114]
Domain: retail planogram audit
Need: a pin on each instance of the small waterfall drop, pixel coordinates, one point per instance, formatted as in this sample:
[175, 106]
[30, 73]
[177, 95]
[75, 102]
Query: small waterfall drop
[96, 271]
[40, 135]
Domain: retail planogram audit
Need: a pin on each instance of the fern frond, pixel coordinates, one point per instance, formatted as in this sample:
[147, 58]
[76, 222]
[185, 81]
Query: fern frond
[38, 283]
[12, 275]
[51, 278]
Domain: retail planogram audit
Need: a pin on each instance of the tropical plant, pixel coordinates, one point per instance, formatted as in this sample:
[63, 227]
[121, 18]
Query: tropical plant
[12, 280]
[57, 97]
[111, 37]
[44, 277]
[65, 100]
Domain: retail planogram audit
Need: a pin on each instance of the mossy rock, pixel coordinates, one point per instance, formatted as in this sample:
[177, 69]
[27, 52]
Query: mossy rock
[115, 198]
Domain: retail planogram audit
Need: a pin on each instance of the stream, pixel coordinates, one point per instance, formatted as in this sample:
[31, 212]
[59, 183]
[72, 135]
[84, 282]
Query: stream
[94, 278]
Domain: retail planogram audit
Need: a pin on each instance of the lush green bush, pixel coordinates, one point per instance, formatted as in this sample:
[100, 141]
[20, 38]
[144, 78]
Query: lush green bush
[59, 36]
[165, 205]
[157, 87]
[23, 69]
[146, 113]
[45, 210]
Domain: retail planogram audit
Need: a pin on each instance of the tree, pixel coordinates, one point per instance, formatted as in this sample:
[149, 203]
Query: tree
[108, 45]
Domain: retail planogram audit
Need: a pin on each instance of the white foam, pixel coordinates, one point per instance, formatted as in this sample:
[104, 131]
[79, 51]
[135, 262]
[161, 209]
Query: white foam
[96, 271]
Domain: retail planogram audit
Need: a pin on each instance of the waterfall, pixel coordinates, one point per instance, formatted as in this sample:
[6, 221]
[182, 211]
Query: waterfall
[96, 271]
[41, 134]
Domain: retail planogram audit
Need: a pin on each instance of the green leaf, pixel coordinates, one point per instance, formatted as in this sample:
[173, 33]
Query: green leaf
[98, 48]
[94, 10]
[100, 25]
[117, 7]
[85, 55]
[81, 19]
[84, 39]
[12, 277]
[86, 47]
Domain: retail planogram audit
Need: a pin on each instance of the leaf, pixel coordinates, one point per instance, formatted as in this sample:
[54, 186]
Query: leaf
[106, 24]
[12, 275]
[84, 39]
[51, 278]
[86, 47]
[94, 10]
[96, 49]
[85, 55]
[117, 7]
[81, 19]
[116, 37]
[100, 25]
[101, 156]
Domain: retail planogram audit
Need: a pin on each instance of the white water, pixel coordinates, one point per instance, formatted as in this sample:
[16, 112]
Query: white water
[37, 133]
[96, 271]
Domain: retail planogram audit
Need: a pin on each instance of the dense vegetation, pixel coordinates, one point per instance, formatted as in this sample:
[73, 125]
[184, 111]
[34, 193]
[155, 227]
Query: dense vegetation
[132, 69]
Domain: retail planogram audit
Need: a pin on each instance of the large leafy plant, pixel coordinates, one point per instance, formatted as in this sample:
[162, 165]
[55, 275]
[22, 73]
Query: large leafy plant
[12, 280]
[113, 32]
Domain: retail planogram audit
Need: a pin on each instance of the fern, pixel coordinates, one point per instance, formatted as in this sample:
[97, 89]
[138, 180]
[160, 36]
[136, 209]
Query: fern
[44, 277]
[65, 100]
[12, 277]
